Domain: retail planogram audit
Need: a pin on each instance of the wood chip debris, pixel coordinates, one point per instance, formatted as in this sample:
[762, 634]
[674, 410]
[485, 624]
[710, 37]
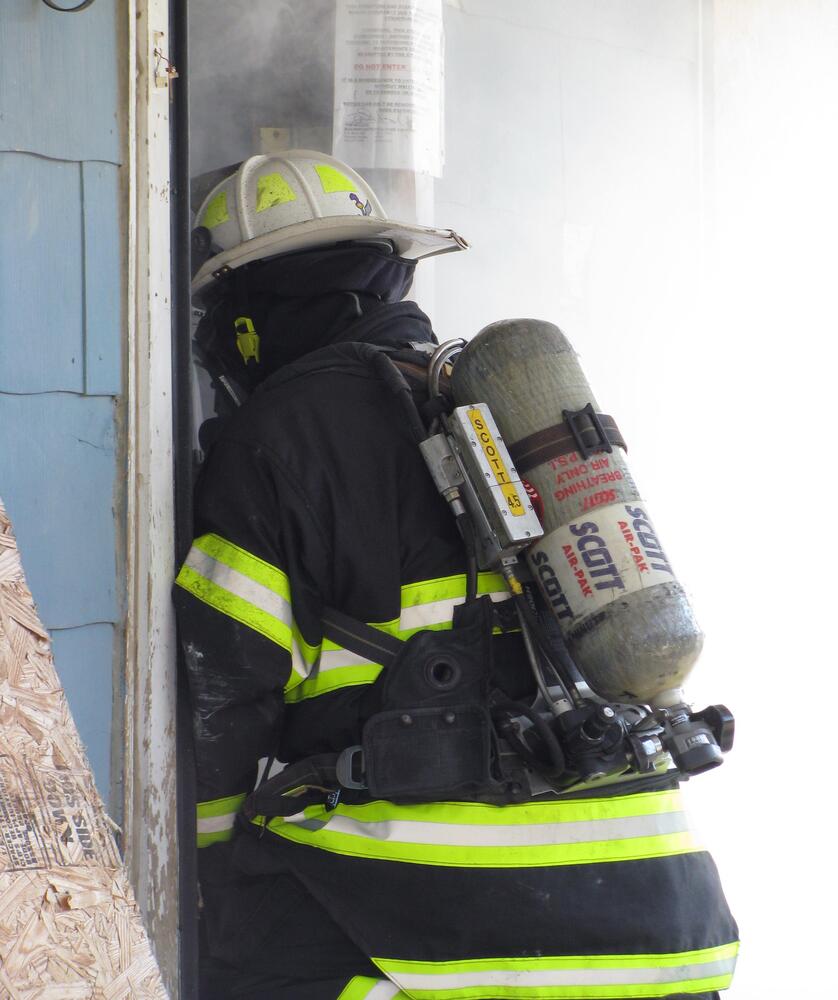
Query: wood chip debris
[70, 928]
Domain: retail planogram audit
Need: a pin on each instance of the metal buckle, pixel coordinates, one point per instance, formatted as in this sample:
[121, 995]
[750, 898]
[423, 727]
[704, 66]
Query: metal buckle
[346, 768]
[602, 443]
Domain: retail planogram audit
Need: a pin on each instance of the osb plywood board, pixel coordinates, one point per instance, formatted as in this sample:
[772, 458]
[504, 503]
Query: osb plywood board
[69, 925]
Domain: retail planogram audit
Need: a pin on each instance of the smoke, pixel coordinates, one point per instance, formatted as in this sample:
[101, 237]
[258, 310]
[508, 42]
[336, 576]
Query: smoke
[258, 64]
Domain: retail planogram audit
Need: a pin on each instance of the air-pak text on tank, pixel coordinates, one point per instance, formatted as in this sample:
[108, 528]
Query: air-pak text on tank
[550, 585]
[647, 538]
[635, 550]
[601, 557]
[578, 572]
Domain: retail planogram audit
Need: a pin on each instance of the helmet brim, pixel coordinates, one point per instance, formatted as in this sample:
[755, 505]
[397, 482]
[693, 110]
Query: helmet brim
[410, 241]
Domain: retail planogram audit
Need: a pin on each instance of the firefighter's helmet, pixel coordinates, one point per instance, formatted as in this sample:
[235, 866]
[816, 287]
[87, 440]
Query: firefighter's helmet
[297, 200]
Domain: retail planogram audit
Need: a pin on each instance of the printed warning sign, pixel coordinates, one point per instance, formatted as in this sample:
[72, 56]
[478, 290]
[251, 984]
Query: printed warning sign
[389, 84]
[586, 564]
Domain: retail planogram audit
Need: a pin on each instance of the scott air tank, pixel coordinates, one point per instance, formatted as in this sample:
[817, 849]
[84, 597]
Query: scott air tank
[600, 565]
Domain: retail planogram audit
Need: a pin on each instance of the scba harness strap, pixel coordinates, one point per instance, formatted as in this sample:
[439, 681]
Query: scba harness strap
[431, 737]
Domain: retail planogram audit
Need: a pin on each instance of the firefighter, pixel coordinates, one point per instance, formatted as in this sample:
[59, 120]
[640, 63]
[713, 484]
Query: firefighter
[314, 501]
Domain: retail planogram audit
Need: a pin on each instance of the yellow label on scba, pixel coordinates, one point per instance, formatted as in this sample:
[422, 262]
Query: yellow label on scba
[496, 464]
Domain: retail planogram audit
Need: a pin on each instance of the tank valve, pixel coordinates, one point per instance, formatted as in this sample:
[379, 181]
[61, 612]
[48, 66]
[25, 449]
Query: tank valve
[697, 740]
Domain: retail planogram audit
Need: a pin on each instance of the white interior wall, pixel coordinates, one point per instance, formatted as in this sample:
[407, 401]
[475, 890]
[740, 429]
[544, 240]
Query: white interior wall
[658, 179]
[764, 551]
[571, 165]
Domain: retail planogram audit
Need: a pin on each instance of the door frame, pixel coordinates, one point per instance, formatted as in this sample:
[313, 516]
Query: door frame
[150, 809]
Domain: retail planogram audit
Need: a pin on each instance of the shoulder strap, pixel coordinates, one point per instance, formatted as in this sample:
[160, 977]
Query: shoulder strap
[358, 637]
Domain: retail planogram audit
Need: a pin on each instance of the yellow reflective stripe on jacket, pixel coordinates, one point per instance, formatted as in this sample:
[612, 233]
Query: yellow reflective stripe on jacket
[240, 585]
[216, 819]
[249, 590]
[428, 604]
[432, 602]
[596, 976]
[474, 835]
[367, 988]
[337, 667]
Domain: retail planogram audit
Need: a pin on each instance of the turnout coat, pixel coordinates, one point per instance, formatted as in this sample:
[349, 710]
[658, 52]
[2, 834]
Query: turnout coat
[315, 495]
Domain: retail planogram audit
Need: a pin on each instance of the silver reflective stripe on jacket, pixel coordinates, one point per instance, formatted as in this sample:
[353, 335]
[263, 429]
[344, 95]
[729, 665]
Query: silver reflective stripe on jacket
[567, 976]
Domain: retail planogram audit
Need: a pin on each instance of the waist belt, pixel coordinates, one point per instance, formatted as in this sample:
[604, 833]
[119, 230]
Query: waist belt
[433, 737]
[441, 733]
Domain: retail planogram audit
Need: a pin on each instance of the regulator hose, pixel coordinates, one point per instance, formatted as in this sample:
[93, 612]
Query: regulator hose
[566, 670]
[548, 737]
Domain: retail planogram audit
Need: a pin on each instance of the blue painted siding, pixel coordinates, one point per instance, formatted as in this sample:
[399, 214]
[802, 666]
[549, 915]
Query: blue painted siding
[102, 280]
[57, 478]
[58, 80]
[62, 343]
[42, 345]
[85, 656]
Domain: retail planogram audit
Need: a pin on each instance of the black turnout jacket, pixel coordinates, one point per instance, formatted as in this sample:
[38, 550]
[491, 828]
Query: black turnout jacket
[314, 494]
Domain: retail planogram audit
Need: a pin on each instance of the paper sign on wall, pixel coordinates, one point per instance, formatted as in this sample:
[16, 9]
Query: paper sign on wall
[389, 84]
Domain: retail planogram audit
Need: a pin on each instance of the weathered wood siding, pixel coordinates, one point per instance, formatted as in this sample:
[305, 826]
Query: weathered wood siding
[62, 343]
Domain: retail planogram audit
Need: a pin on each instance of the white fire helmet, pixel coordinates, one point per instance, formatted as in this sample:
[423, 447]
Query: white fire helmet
[298, 200]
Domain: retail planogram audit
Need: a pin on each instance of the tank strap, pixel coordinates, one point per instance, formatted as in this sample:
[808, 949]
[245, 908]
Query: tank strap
[582, 430]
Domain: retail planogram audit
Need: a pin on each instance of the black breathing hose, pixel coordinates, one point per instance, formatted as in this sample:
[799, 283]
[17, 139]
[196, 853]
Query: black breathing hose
[466, 528]
[548, 737]
[566, 670]
[392, 376]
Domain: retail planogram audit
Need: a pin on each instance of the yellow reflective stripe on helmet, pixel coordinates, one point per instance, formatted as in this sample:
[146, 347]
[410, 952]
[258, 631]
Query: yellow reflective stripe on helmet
[271, 190]
[251, 591]
[332, 179]
[216, 819]
[577, 976]
[367, 988]
[216, 212]
[472, 835]
[428, 604]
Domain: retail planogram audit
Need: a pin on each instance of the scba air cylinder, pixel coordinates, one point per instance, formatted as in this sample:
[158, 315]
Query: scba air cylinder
[600, 564]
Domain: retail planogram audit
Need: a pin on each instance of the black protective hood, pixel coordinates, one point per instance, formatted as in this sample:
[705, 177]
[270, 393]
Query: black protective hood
[301, 302]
